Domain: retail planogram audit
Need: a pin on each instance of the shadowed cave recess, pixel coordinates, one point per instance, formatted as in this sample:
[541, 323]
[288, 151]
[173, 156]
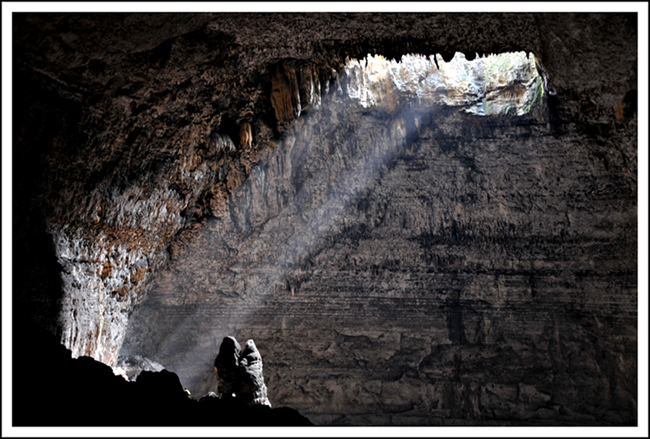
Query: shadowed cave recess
[421, 219]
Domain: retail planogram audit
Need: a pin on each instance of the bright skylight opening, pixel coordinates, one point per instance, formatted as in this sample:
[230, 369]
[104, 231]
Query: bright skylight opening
[508, 83]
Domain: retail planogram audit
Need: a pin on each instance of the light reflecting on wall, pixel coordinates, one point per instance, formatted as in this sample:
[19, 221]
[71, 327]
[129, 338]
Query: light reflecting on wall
[255, 250]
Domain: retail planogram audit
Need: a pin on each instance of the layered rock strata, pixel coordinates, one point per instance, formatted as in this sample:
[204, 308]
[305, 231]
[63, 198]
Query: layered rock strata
[425, 266]
[115, 210]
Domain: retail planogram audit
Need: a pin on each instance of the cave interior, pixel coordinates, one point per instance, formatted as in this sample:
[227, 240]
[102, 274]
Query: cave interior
[421, 219]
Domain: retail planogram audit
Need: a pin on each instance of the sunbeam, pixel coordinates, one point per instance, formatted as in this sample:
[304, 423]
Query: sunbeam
[403, 98]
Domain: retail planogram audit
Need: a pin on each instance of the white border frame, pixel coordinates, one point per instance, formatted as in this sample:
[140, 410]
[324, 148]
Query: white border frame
[641, 7]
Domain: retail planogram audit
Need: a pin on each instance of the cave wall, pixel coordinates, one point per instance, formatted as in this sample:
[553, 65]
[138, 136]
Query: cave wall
[512, 223]
[453, 271]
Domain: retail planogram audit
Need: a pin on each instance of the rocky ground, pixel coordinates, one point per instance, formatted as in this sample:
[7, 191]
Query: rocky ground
[84, 392]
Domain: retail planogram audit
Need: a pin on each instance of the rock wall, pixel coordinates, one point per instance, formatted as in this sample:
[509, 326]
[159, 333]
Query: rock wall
[458, 269]
[512, 242]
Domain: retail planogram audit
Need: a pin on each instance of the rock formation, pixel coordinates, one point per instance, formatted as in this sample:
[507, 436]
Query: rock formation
[85, 392]
[245, 135]
[239, 372]
[131, 367]
[285, 97]
[226, 367]
[508, 83]
[252, 389]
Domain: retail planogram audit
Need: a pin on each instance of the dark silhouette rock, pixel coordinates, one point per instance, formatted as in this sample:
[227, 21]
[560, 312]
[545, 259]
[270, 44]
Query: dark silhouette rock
[226, 367]
[85, 392]
[163, 384]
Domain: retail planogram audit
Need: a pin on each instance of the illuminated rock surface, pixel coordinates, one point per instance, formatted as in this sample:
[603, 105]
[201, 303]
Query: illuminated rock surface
[409, 272]
[397, 262]
[502, 84]
[131, 367]
[251, 386]
[240, 372]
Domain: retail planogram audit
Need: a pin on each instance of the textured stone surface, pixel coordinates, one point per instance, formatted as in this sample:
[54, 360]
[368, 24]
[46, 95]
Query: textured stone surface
[452, 271]
[508, 83]
[131, 367]
[240, 372]
[252, 389]
[285, 96]
[115, 208]
[403, 268]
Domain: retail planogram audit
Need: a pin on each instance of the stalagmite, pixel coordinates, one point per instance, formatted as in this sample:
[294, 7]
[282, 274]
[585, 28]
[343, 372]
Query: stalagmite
[226, 366]
[239, 373]
[252, 389]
